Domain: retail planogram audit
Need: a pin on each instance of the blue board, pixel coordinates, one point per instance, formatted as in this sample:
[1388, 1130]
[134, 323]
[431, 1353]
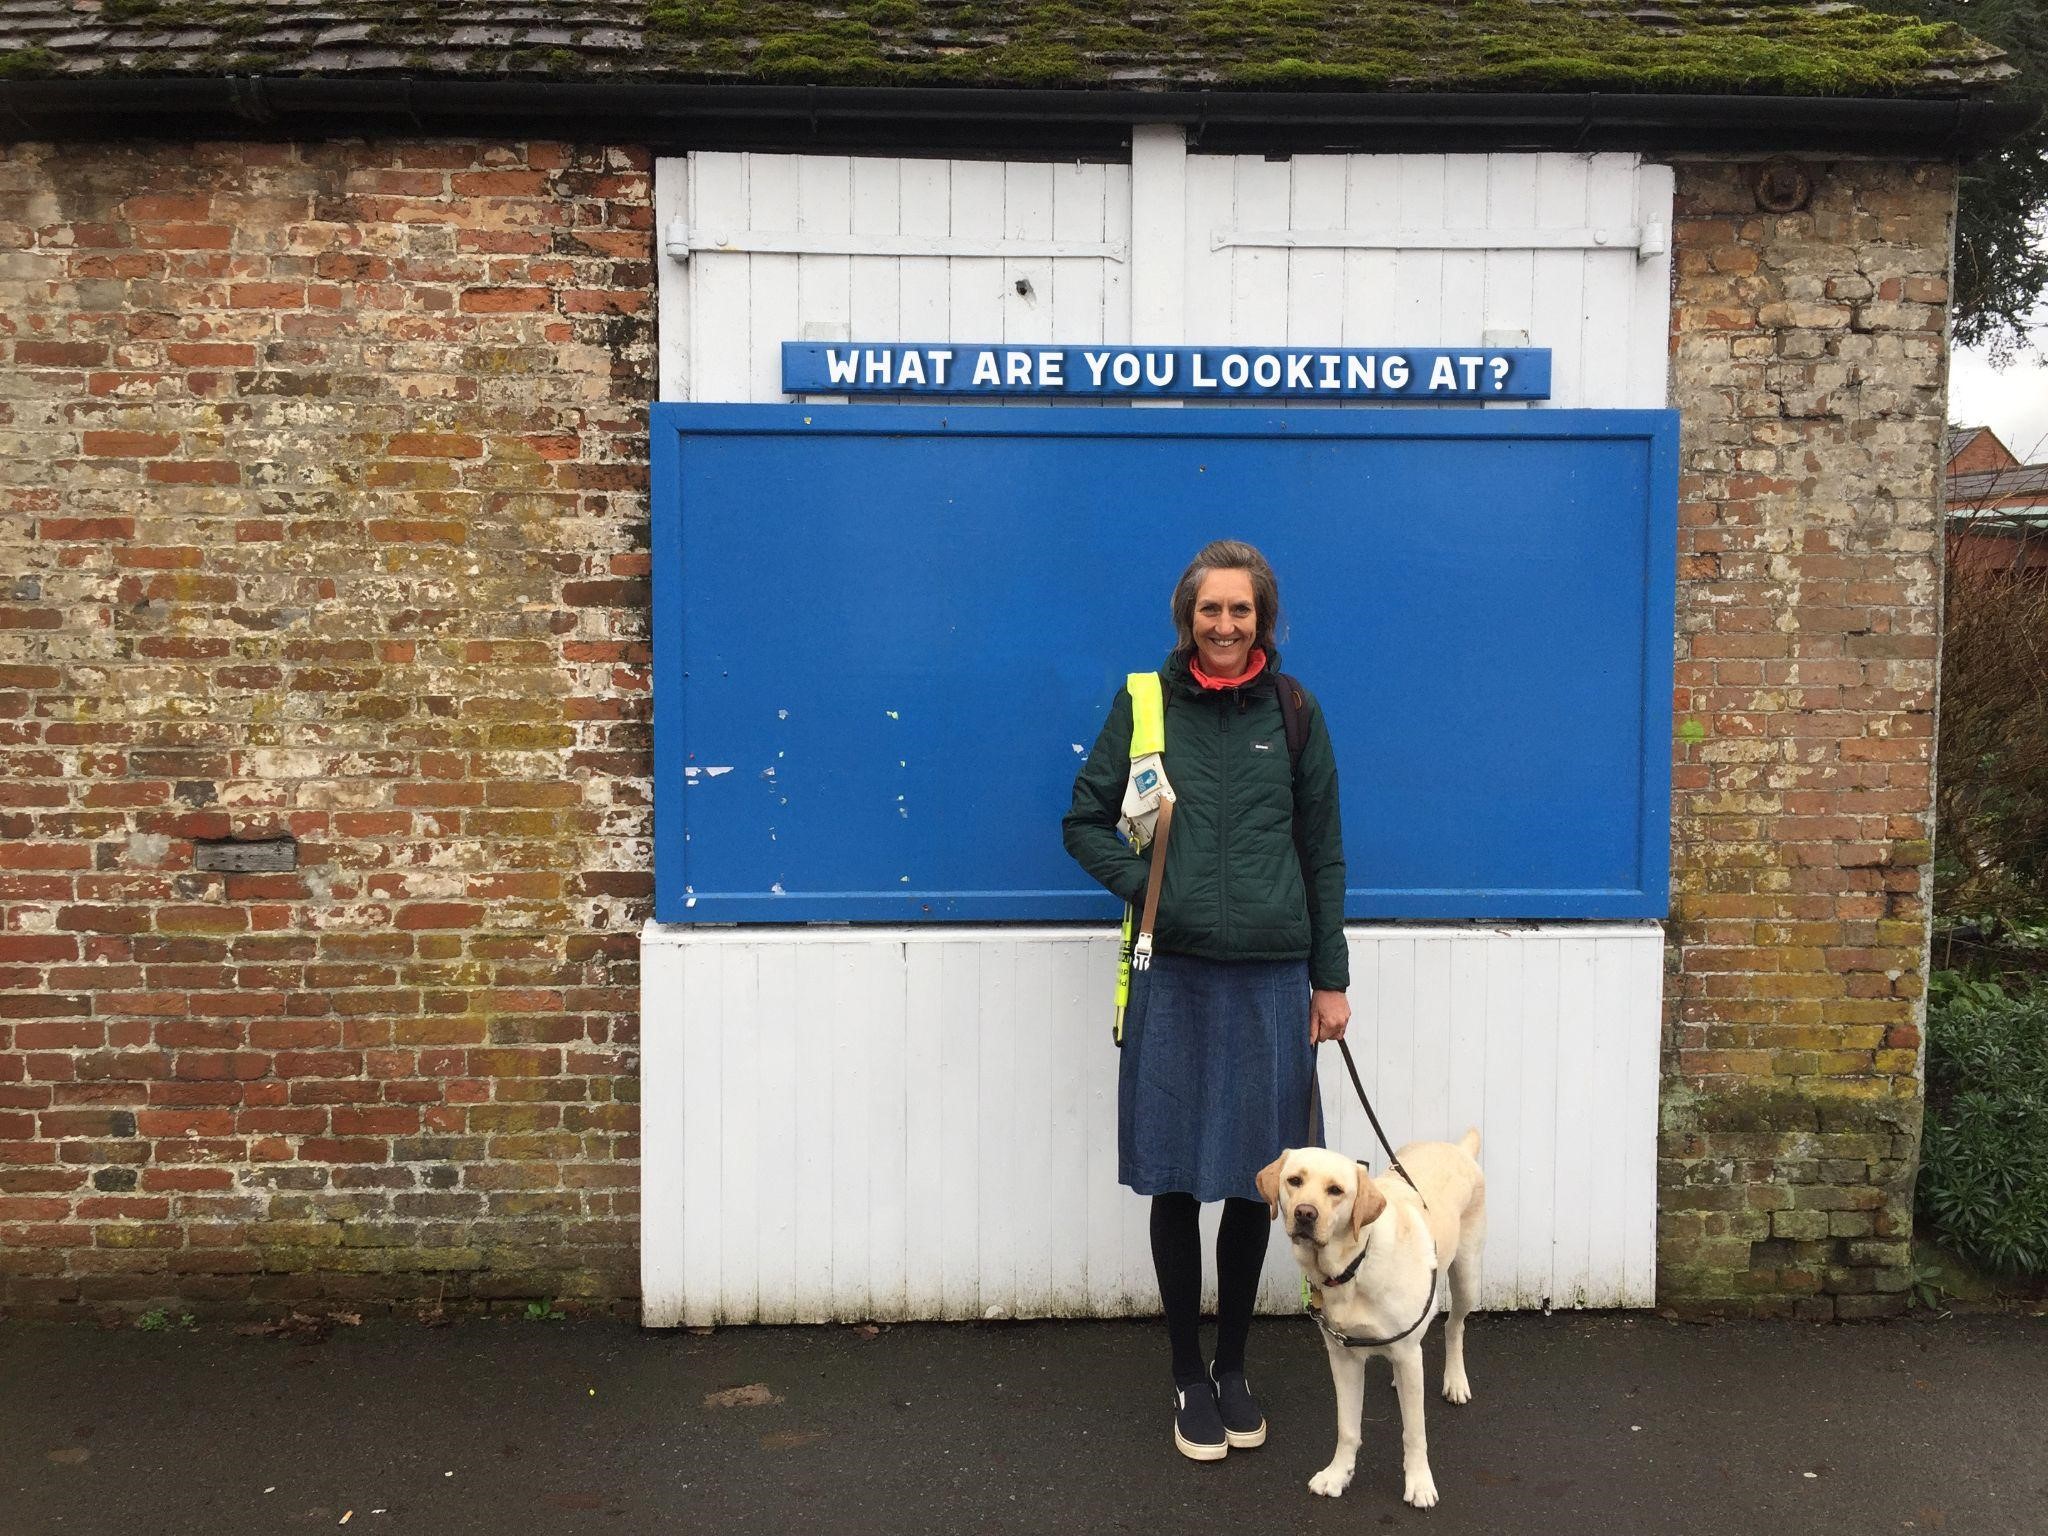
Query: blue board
[882, 635]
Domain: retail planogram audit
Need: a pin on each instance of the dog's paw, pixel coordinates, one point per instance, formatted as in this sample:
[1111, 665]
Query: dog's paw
[1331, 1481]
[1420, 1490]
[1457, 1389]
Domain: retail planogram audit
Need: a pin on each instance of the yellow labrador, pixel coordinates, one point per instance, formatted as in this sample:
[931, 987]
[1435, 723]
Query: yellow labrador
[1382, 1255]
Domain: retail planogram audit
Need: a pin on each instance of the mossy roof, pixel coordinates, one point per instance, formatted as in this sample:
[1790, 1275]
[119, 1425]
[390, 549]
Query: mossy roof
[1673, 47]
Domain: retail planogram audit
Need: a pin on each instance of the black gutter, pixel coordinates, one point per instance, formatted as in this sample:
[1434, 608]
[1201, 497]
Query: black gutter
[663, 114]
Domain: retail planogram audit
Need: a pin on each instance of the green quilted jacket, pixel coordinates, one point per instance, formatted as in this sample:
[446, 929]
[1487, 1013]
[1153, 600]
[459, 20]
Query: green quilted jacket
[1255, 862]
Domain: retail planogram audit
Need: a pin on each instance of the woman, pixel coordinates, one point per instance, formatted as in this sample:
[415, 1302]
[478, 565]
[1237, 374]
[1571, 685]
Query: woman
[1249, 970]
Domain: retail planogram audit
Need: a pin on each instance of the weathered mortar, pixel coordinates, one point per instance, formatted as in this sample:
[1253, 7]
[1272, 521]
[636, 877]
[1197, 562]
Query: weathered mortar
[1809, 360]
[325, 468]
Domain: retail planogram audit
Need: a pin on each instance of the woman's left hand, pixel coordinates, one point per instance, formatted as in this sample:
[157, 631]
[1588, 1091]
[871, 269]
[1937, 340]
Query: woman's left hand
[1328, 1013]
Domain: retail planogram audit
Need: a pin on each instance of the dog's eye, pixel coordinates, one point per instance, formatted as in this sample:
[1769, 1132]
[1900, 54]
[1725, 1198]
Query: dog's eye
[1294, 1182]
[1334, 1190]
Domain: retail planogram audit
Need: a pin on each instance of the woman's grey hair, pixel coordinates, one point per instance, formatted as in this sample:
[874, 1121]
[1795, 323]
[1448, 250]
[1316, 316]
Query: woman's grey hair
[1225, 555]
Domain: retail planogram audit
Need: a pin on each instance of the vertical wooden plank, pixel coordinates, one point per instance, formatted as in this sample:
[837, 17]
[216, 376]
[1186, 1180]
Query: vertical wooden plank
[664, 998]
[1258, 278]
[776, 1131]
[1542, 962]
[1315, 278]
[1606, 343]
[1000, 1180]
[889, 1127]
[874, 286]
[976, 282]
[1392, 1084]
[1578, 1029]
[1419, 274]
[812, 1185]
[1606, 1081]
[1639, 1117]
[1071, 1070]
[739, 1005]
[672, 283]
[1557, 308]
[923, 286]
[719, 286]
[1164, 242]
[1428, 1116]
[851, 1034]
[924, 1116]
[1206, 273]
[1372, 201]
[959, 1173]
[1342, 1122]
[1031, 1088]
[1501, 1150]
[774, 283]
[1027, 214]
[701, 1029]
[1074, 290]
[1463, 316]
[824, 206]
[1117, 275]
[1468, 1033]
[1109, 1203]
[1650, 300]
[1510, 298]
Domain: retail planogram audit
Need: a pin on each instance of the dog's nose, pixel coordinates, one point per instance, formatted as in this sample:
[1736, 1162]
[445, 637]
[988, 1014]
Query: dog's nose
[1304, 1215]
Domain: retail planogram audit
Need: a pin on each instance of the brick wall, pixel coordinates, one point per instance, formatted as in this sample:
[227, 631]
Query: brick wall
[324, 478]
[1809, 363]
[325, 468]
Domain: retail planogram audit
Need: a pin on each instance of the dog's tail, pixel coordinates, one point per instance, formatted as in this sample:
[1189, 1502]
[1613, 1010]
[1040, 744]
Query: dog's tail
[1470, 1141]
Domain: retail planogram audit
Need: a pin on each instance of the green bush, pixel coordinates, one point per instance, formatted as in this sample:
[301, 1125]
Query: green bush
[1984, 1160]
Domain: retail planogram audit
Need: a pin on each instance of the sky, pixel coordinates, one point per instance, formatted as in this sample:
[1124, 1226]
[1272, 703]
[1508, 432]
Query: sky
[2012, 401]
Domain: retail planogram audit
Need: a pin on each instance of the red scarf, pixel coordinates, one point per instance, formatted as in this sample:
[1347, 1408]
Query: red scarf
[1251, 670]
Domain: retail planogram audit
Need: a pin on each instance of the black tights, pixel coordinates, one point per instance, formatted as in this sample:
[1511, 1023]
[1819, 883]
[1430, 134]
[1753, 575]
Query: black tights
[1177, 1256]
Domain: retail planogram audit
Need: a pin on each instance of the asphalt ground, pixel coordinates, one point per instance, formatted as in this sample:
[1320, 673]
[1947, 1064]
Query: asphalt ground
[1614, 1422]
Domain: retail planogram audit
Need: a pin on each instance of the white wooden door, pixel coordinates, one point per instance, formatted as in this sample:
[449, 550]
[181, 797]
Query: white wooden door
[934, 1108]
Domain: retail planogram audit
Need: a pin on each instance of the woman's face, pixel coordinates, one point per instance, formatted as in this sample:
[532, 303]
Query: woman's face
[1226, 622]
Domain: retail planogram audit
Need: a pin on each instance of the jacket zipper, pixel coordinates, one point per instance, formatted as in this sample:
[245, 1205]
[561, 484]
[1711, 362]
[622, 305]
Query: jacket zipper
[1223, 826]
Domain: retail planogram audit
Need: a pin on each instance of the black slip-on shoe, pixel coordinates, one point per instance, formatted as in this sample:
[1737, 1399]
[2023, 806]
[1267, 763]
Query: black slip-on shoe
[1244, 1426]
[1197, 1430]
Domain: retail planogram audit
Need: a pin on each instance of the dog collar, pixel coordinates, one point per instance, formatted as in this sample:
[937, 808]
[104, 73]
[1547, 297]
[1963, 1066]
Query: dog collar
[1350, 1269]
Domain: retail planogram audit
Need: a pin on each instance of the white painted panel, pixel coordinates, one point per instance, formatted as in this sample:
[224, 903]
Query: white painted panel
[1536, 1162]
[1571, 1222]
[946, 1099]
[776, 1131]
[774, 283]
[703, 1144]
[720, 336]
[740, 1162]
[1557, 309]
[922, 286]
[1649, 327]
[1258, 277]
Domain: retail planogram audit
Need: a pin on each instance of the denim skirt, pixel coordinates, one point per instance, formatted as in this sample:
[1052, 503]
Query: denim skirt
[1214, 1077]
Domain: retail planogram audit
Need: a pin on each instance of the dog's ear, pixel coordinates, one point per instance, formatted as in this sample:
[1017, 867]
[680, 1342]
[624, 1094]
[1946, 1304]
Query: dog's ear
[1366, 1201]
[1269, 1185]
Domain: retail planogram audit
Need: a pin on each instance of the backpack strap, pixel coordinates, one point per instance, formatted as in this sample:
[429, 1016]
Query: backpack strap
[1293, 715]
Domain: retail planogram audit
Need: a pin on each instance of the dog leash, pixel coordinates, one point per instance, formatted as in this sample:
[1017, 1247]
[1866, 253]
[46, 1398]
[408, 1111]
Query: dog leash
[1315, 1105]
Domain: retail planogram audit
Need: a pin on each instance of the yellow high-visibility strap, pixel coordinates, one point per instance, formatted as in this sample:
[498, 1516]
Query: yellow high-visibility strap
[1148, 734]
[1148, 713]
